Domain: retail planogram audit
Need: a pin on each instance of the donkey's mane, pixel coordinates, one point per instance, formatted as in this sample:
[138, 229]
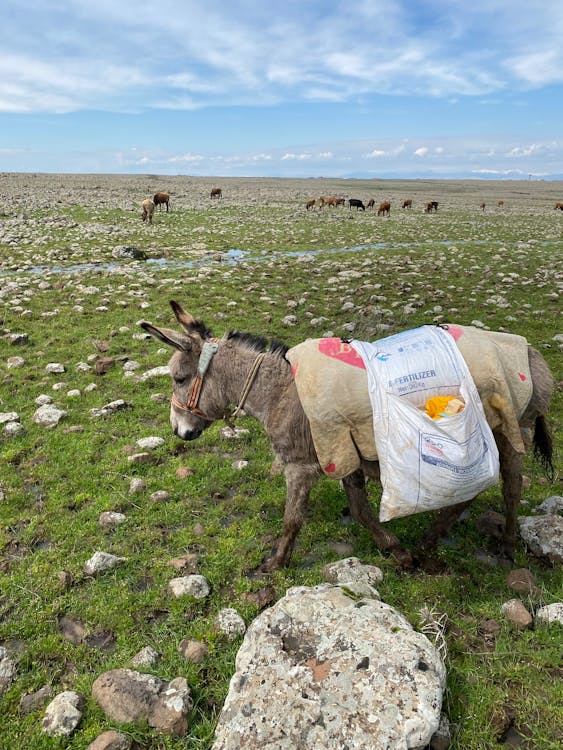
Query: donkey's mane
[257, 343]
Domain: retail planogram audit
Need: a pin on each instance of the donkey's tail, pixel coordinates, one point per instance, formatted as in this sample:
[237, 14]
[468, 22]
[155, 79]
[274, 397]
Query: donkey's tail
[543, 446]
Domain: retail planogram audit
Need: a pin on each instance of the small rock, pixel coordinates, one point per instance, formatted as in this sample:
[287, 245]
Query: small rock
[103, 365]
[239, 465]
[184, 471]
[229, 622]
[7, 670]
[137, 485]
[352, 570]
[109, 519]
[48, 415]
[517, 614]
[146, 657]
[141, 458]
[32, 701]
[15, 362]
[150, 443]
[521, 580]
[189, 561]
[13, 429]
[9, 416]
[111, 740]
[192, 585]
[192, 650]
[551, 506]
[100, 562]
[160, 496]
[63, 714]
[550, 613]
[54, 368]
[543, 535]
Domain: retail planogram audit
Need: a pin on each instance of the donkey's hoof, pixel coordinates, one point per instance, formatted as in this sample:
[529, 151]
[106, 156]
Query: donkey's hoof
[403, 557]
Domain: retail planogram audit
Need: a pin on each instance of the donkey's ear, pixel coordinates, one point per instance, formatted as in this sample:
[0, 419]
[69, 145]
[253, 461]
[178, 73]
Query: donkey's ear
[167, 336]
[184, 318]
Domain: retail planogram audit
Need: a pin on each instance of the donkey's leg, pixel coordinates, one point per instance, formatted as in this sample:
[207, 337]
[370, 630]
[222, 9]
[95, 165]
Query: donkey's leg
[360, 509]
[511, 472]
[299, 479]
[441, 524]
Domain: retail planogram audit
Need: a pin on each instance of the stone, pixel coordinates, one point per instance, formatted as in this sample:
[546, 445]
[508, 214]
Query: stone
[230, 623]
[351, 569]
[15, 362]
[32, 701]
[9, 416]
[111, 740]
[110, 408]
[150, 443]
[517, 614]
[160, 496]
[193, 650]
[48, 415]
[192, 585]
[100, 562]
[521, 580]
[63, 714]
[239, 464]
[189, 561]
[7, 670]
[442, 738]
[326, 669]
[109, 519]
[543, 535]
[141, 458]
[155, 372]
[129, 696]
[137, 485]
[550, 613]
[54, 368]
[103, 365]
[145, 657]
[13, 429]
[551, 505]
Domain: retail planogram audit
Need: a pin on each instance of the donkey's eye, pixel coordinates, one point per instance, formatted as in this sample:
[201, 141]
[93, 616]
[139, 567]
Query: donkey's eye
[179, 381]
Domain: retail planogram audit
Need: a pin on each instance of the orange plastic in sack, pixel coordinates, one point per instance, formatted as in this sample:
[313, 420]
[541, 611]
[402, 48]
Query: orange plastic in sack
[443, 406]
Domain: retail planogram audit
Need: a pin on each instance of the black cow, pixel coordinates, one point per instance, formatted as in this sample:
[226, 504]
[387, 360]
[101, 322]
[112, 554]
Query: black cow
[357, 203]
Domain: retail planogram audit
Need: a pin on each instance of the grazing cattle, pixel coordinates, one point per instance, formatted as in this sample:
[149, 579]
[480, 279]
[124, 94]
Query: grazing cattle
[356, 203]
[334, 201]
[148, 210]
[321, 201]
[431, 206]
[310, 203]
[482, 206]
[370, 203]
[245, 364]
[216, 193]
[559, 205]
[161, 199]
[384, 208]
[407, 203]
[500, 203]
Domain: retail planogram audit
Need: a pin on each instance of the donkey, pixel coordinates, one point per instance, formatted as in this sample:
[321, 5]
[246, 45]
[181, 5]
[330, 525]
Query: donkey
[210, 374]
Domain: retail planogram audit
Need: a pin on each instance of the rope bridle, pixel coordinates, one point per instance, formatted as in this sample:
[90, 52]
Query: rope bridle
[208, 351]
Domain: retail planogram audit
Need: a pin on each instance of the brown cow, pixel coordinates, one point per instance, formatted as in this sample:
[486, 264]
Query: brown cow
[216, 193]
[310, 203]
[160, 199]
[431, 206]
[407, 203]
[148, 210]
[482, 206]
[334, 201]
[500, 203]
[321, 201]
[370, 203]
[384, 208]
[559, 205]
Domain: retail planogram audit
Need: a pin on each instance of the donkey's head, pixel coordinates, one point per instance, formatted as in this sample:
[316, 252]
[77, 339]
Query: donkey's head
[193, 407]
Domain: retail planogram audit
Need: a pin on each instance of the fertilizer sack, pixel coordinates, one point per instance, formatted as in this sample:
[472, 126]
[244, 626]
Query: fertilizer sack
[426, 463]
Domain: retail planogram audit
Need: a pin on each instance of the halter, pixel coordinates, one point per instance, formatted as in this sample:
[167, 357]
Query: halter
[208, 351]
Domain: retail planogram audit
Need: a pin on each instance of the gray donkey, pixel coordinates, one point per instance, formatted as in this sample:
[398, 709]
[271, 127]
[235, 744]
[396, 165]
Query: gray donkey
[209, 375]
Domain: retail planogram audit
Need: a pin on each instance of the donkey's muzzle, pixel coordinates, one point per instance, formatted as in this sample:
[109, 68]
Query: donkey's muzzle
[187, 434]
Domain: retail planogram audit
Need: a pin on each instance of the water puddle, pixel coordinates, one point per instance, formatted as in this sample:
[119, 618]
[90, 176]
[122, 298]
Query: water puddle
[233, 257]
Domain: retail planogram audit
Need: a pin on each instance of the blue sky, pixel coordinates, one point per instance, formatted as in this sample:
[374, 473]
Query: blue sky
[409, 88]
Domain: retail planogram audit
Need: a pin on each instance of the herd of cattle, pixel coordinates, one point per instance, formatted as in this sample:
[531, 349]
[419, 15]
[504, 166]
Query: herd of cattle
[163, 199]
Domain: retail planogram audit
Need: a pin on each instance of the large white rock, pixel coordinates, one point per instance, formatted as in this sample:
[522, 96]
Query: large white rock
[324, 668]
[63, 714]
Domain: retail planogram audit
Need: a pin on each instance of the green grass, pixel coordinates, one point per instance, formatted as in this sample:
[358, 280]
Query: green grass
[500, 268]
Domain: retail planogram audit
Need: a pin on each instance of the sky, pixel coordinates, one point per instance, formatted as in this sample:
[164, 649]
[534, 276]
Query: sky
[369, 88]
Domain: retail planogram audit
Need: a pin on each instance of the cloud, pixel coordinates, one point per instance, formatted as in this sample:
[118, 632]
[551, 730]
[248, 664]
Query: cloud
[422, 151]
[127, 56]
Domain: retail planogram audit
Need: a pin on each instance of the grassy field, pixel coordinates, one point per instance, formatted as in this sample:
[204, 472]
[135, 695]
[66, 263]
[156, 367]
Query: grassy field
[246, 261]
